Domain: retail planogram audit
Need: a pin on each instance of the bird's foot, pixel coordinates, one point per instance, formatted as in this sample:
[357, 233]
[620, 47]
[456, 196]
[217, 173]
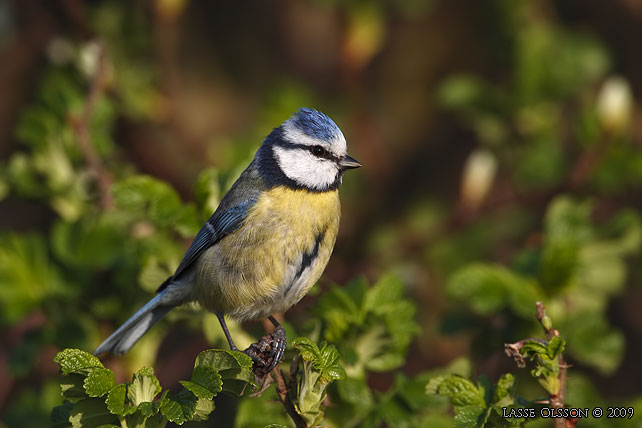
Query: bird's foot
[267, 352]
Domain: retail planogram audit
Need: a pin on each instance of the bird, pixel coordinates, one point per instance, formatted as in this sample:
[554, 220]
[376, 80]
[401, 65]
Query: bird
[267, 243]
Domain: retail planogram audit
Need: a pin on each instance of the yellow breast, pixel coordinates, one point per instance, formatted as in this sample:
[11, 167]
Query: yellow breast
[258, 269]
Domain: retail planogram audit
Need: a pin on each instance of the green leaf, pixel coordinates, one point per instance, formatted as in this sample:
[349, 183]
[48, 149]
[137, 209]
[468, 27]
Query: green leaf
[550, 383]
[75, 360]
[503, 391]
[384, 294]
[147, 409]
[569, 220]
[460, 390]
[558, 264]
[178, 408]
[27, 276]
[534, 347]
[98, 382]
[320, 367]
[356, 392]
[158, 201]
[206, 382]
[234, 368]
[91, 413]
[60, 416]
[203, 409]
[116, 401]
[325, 360]
[555, 347]
[72, 388]
[594, 341]
[490, 288]
[144, 387]
[469, 417]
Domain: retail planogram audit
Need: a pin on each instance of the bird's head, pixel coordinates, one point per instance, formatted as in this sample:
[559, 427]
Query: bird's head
[310, 149]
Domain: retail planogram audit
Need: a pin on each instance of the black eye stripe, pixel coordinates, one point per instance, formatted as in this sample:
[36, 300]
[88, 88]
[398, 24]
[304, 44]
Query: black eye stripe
[326, 155]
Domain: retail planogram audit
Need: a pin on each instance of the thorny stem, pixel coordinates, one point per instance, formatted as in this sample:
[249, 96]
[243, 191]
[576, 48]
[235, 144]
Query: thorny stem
[556, 400]
[283, 388]
[284, 398]
[82, 125]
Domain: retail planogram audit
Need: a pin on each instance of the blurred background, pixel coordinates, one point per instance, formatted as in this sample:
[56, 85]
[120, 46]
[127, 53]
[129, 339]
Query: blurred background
[502, 152]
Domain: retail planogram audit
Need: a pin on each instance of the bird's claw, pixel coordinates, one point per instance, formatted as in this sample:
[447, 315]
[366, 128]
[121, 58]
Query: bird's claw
[267, 352]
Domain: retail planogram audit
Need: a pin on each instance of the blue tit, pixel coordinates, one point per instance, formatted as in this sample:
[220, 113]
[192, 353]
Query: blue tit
[268, 241]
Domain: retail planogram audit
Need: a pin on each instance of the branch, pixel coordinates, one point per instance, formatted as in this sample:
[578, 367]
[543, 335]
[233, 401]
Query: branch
[556, 400]
[82, 125]
[284, 398]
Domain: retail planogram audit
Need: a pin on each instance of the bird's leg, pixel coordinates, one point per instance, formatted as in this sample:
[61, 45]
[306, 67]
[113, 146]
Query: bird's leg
[221, 320]
[267, 352]
[280, 342]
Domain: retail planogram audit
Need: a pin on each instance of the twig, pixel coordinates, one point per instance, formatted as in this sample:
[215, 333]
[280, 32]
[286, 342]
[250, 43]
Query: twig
[284, 398]
[556, 400]
[82, 124]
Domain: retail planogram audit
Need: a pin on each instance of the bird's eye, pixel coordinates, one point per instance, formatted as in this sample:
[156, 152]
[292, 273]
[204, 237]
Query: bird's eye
[318, 151]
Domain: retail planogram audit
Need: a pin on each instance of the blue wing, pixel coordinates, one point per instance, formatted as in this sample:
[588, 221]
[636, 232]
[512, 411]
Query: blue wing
[221, 224]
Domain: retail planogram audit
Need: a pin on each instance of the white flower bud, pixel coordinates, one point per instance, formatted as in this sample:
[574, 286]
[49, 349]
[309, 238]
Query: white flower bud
[615, 104]
[478, 176]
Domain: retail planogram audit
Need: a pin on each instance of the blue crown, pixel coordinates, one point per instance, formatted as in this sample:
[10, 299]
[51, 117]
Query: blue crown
[315, 124]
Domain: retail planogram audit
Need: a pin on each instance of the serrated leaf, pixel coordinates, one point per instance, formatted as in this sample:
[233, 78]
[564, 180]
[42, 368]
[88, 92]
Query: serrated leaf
[147, 409]
[99, 382]
[461, 391]
[90, 413]
[469, 417]
[203, 409]
[116, 401]
[555, 347]
[206, 382]
[502, 396]
[235, 368]
[144, 386]
[504, 386]
[75, 360]
[320, 367]
[178, 408]
[324, 359]
[432, 387]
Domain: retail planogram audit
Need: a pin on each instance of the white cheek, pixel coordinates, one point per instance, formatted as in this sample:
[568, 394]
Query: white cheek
[305, 169]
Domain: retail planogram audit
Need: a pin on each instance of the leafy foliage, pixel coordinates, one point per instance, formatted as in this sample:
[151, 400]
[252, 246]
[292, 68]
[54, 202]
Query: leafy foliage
[137, 403]
[578, 261]
[548, 220]
[372, 326]
[320, 367]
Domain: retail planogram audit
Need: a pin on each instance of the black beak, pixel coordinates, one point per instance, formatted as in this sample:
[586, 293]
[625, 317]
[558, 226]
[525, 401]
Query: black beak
[348, 162]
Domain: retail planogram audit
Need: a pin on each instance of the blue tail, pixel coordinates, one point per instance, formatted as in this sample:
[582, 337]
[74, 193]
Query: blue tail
[136, 326]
